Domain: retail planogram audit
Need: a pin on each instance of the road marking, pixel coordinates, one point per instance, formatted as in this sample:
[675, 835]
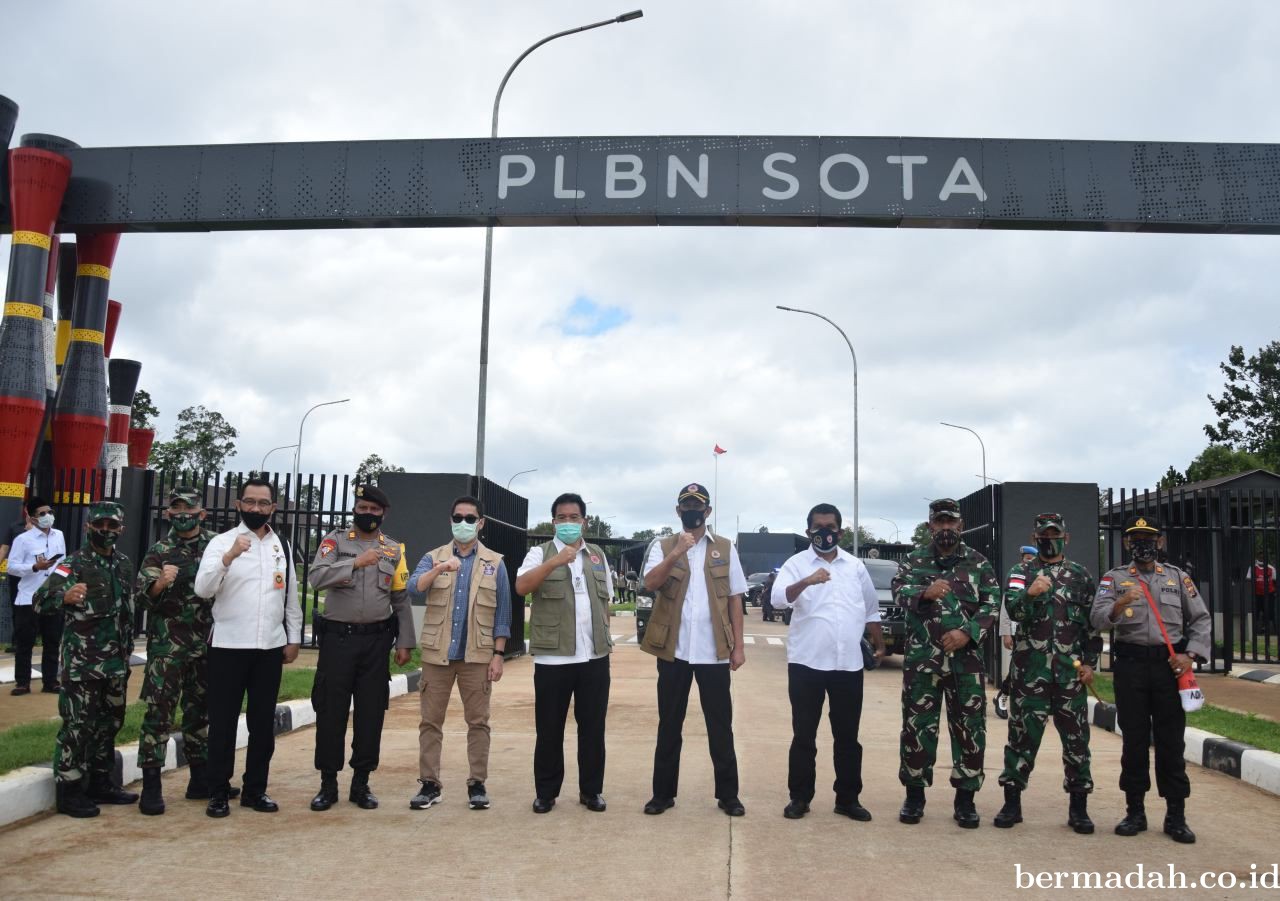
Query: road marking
[748, 639]
[773, 639]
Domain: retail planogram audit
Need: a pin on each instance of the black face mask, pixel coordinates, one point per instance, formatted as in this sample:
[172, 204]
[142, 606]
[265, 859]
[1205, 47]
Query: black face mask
[102, 539]
[691, 519]
[824, 539]
[1143, 549]
[1051, 547]
[253, 520]
[367, 522]
[946, 539]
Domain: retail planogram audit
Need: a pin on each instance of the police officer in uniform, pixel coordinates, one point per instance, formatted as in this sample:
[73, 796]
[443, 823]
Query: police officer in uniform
[1146, 676]
[366, 614]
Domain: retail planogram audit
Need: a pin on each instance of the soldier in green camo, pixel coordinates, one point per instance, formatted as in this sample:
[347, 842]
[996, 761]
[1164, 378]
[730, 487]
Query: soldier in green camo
[92, 588]
[1053, 660]
[178, 626]
[951, 598]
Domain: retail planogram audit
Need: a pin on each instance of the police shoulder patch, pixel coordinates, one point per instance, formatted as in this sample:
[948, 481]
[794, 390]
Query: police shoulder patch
[327, 547]
[1190, 586]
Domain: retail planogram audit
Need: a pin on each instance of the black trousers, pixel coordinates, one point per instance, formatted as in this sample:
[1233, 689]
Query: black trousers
[233, 674]
[1148, 709]
[587, 684]
[27, 624]
[808, 688]
[351, 666]
[674, 681]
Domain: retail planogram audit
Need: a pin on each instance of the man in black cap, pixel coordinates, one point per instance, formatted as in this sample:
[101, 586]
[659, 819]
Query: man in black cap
[1132, 601]
[695, 631]
[366, 613]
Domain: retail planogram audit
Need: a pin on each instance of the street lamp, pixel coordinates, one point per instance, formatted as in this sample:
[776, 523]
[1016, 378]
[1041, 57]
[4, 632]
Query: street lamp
[855, 413]
[600, 524]
[262, 467]
[297, 464]
[965, 428]
[892, 523]
[488, 238]
[520, 473]
[986, 479]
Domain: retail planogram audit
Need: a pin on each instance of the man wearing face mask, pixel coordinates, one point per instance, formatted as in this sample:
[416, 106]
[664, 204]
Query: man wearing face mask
[951, 598]
[366, 613]
[1008, 633]
[257, 629]
[1053, 660]
[178, 624]
[570, 642]
[695, 631]
[1148, 707]
[834, 601]
[32, 558]
[465, 628]
[91, 589]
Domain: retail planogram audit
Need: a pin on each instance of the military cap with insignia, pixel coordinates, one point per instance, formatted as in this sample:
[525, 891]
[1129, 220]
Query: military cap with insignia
[105, 510]
[944, 507]
[1050, 521]
[694, 490]
[185, 494]
[1142, 522]
[374, 495]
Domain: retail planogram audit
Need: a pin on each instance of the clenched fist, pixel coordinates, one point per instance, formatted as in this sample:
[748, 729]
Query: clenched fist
[238, 547]
[366, 558]
[937, 589]
[451, 565]
[684, 544]
[818, 576]
[566, 555]
[168, 575]
[1041, 584]
[75, 594]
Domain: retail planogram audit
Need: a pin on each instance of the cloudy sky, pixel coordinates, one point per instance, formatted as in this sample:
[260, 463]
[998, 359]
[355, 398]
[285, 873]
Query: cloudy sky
[621, 356]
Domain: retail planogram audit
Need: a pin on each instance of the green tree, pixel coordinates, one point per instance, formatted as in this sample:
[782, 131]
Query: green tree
[921, 534]
[144, 413]
[373, 466]
[1218, 460]
[201, 443]
[1249, 408]
[597, 528]
[1171, 479]
[864, 537]
[650, 534]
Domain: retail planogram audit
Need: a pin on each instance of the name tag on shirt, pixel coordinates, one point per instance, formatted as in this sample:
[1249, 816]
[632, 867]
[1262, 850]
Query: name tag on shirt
[278, 581]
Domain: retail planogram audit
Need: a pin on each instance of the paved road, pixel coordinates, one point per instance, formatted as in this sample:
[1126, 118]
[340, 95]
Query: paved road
[692, 851]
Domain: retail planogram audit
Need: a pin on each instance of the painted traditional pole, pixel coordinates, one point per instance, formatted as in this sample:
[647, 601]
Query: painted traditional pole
[37, 181]
[8, 119]
[123, 381]
[80, 418]
[49, 324]
[109, 339]
[66, 301]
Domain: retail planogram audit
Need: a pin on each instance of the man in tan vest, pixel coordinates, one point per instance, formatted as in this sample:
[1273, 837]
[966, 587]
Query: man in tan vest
[465, 628]
[569, 639]
[695, 631]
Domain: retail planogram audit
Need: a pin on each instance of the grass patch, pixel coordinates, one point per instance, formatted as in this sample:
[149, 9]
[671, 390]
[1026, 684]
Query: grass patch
[629, 607]
[29, 744]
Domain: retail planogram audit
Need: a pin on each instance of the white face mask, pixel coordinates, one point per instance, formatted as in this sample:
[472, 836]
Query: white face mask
[45, 521]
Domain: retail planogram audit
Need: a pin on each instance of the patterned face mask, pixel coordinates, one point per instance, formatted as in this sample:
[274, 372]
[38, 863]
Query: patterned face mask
[824, 539]
[184, 522]
[1051, 547]
[1143, 549]
[946, 539]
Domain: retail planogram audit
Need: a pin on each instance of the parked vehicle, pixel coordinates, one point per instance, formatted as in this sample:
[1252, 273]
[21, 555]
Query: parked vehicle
[893, 620]
[755, 582]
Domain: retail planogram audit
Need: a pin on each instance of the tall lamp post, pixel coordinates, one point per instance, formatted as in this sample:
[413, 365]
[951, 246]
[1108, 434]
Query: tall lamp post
[520, 473]
[890, 522]
[855, 413]
[965, 428]
[297, 464]
[262, 467]
[488, 238]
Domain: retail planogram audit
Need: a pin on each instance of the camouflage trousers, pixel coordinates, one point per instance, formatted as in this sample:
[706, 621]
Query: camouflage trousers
[1029, 707]
[92, 712]
[923, 694]
[170, 680]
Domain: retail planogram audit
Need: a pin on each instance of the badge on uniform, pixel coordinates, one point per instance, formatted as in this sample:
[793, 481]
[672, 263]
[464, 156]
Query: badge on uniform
[389, 552]
[386, 581]
[1190, 586]
[327, 547]
[490, 569]
[595, 558]
[1017, 581]
[1106, 583]
[715, 555]
[1127, 583]
[279, 580]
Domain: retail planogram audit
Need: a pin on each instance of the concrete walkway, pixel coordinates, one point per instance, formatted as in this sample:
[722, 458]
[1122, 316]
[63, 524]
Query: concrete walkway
[693, 851]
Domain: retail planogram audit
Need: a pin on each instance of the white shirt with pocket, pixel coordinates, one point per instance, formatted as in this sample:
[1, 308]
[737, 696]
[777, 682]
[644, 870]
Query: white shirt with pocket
[255, 599]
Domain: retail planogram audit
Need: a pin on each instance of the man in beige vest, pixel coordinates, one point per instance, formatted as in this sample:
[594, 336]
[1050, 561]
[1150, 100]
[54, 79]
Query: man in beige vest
[569, 640]
[695, 631]
[465, 628]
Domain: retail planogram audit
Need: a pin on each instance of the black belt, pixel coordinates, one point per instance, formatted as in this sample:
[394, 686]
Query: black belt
[326, 626]
[1131, 651]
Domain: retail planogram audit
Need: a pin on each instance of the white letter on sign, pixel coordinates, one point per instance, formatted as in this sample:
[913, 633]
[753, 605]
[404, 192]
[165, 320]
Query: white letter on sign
[771, 170]
[675, 167]
[906, 162]
[560, 191]
[824, 176]
[613, 175]
[970, 186]
[505, 180]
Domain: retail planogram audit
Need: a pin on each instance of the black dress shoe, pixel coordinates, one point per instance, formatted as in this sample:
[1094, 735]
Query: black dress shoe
[854, 811]
[362, 797]
[795, 809]
[543, 805]
[594, 803]
[326, 797]
[218, 807]
[656, 806]
[50, 688]
[20, 690]
[733, 807]
[1178, 830]
[261, 803]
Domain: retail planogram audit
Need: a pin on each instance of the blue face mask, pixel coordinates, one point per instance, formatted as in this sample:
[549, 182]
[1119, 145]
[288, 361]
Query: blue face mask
[569, 532]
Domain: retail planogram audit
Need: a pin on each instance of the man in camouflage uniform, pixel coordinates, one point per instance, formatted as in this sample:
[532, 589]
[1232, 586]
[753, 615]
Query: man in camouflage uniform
[178, 624]
[1054, 656]
[92, 588]
[951, 598]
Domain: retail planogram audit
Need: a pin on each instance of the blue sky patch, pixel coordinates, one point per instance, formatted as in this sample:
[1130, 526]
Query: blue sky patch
[586, 317]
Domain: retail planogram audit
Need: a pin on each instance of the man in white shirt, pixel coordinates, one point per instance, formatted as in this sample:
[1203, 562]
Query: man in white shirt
[834, 602]
[257, 628]
[32, 558]
[569, 639]
[695, 631]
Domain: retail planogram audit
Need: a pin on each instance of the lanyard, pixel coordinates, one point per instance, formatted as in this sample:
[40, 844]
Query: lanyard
[1151, 601]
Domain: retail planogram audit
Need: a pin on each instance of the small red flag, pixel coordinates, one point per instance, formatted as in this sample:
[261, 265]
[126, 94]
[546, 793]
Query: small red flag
[720, 450]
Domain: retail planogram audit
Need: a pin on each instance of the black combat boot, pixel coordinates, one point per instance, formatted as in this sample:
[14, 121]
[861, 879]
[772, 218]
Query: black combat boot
[328, 794]
[913, 807]
[1078, 813]
[1011, 813]
[965, 813]
[152, 802]
[360, 794]
[198, 784]
[1175, 823]
[71, 799]
[103, 790]
[1135, 816]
